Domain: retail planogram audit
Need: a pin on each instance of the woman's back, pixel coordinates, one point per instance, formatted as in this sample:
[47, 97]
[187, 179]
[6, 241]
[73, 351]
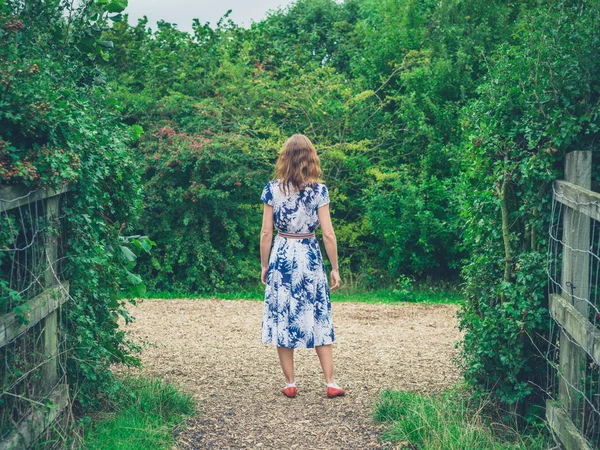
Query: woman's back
[295, 211]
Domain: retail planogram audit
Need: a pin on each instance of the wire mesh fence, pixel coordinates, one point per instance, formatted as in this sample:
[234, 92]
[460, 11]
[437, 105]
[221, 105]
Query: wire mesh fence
[32, 347]
[574, 274]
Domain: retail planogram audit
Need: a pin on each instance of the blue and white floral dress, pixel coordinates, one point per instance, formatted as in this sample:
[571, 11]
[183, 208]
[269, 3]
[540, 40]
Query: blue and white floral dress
[297, 311]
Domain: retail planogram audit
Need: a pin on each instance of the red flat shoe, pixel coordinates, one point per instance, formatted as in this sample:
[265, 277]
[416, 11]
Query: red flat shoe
[334, 392]
[289, 392]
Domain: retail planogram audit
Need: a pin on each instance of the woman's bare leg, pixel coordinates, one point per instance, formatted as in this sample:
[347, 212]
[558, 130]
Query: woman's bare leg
[286, 358]
[325, 353]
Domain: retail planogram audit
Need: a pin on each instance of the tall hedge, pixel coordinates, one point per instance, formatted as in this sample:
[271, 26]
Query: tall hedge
[57, 125]
[538, 101]
[378, 86]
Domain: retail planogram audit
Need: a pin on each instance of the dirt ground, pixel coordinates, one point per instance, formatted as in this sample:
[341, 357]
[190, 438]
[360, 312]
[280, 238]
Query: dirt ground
[212, 349]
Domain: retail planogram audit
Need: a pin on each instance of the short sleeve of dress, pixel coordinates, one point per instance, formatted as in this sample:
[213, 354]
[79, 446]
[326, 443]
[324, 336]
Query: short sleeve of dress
[323, 198]
[267, 195]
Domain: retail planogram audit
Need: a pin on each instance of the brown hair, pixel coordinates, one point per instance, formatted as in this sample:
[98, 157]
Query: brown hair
[298, 164]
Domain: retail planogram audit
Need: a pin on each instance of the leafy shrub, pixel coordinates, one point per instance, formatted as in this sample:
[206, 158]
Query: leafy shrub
[377, 101]
[410, 216]
[201, 201]
[537, 103]
[56, 126]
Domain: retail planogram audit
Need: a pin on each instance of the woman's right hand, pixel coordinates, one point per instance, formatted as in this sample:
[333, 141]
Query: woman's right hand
[335, 280]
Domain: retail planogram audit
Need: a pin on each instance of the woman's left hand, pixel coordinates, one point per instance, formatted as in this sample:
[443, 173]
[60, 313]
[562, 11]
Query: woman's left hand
[335, 280]
[263, 275]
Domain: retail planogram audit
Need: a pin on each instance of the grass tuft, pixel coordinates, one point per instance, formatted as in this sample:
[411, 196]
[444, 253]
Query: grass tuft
[145, 417]
[448, 421]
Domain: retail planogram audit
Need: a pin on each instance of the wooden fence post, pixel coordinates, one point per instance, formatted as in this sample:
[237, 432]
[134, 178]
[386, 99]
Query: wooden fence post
[575, 287]
[50, 339]
[40, 310]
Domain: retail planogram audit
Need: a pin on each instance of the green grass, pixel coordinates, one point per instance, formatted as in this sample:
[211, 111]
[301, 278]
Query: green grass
[144, 418]
[387, 296]
[448, 421]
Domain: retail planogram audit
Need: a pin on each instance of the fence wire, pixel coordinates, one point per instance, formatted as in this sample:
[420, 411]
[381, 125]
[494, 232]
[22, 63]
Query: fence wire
[583, 292]
[25, 233]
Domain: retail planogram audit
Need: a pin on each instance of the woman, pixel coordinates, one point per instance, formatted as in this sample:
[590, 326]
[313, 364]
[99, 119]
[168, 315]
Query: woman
[297, 311]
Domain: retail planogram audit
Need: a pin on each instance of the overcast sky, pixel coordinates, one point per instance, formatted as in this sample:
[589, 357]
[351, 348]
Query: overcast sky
[182, 12]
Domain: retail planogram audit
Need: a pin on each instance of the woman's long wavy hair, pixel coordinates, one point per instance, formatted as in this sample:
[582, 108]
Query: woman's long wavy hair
[298, 165]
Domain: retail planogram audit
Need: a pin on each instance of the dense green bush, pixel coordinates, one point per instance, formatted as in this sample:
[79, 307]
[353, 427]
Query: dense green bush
[56, 126]
[412, 222]
[377, 86]
[538, 101]
[208, 183]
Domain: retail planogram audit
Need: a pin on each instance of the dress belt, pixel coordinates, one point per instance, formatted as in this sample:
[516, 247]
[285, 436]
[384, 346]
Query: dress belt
[295, 235]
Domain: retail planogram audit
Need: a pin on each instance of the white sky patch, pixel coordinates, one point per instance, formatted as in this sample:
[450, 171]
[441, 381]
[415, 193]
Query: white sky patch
[182, 12]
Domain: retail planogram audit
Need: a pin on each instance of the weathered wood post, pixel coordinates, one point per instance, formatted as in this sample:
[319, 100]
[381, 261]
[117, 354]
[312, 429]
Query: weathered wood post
[41, 309]
[575, 286]
[50, 373]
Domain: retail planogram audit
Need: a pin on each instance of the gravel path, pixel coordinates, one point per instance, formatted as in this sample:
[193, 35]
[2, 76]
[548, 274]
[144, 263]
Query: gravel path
[212, 348]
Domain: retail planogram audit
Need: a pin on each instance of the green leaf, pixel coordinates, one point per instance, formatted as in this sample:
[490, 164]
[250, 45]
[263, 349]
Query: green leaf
[86, 45]
[127, 253]
[106, 44]
[139, 290]
[136, 132]
[113, 303]
[116, 6]
[137, 245]
[133, 278]
[147, 243]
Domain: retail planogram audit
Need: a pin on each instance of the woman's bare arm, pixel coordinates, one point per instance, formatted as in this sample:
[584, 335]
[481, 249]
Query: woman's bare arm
[330, 244]
[266, 237]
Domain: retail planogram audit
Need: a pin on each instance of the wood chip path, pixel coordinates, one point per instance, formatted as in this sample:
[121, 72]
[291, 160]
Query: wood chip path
[212, 349]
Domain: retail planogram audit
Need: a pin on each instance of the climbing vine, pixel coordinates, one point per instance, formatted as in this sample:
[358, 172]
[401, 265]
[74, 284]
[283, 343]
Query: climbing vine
[57, 125]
